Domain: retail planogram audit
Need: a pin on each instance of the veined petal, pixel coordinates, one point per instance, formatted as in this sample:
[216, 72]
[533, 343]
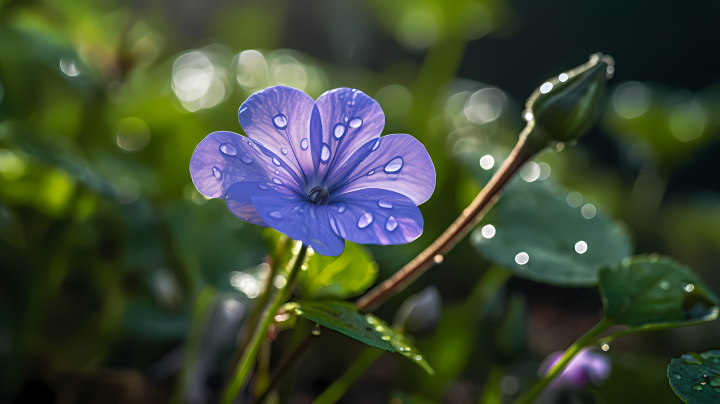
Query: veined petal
[225, 158]
[300, 220]
[348, 119]
[375, 216]
[239, 198]
[397, 163]
[279, 119]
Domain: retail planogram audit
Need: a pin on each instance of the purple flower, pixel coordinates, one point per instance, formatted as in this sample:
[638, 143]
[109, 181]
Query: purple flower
[586, 366]
[318, 171]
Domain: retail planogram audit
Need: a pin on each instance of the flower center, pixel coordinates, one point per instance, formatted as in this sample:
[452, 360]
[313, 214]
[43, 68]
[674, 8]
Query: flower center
[318, 195]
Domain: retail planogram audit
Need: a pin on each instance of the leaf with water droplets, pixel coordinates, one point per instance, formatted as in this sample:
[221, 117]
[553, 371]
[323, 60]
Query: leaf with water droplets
[538, 236]
[347, 275]
[696, 378]
[344, 318]
[652, 291]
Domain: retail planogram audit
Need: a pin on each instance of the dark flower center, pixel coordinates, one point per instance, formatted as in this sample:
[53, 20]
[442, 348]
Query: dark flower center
[318, 195]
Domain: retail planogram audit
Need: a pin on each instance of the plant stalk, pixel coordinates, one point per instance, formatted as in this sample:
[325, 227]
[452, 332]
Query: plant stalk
[456, 232]
[247, 360]
[568, 356]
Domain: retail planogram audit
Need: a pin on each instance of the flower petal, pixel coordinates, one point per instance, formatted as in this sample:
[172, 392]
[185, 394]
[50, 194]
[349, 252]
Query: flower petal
[398, 163]
[225, 158]
[348, 119]
[279, 119]
[239, 198]
[300, 220]
[375, 216]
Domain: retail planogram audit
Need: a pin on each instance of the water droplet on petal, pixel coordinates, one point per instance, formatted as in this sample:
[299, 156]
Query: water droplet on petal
[284, 151]
[339, 131]
[391, 224]
[346, 119]
[383, 203]
[371, 173]
[304, 144]
[280, 121]
[247, 159]
[355, 123]
[227, 148]
[365, 220]
[325, 153]
[341, 207]
[394, 166]
[276, 162]
[216, 172]
[263, 186]
[276, 215]
[334, 227]
[277, 181]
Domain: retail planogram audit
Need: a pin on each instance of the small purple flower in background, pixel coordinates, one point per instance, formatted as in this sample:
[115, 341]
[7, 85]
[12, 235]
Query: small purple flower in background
[587, 366]
[318, 171]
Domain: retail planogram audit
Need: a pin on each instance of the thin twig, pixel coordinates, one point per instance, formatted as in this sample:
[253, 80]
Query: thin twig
[462, 225]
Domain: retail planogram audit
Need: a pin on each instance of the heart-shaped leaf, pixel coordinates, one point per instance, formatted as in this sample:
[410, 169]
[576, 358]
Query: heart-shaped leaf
[344, 318]
[535, 233]
[341, 277]
[651, 291]
[696, 378]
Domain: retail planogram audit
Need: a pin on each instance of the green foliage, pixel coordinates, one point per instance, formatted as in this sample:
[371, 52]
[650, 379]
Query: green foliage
[646, 292]
[340, 277]
[368, 329]
[696, 378]
[535, 218]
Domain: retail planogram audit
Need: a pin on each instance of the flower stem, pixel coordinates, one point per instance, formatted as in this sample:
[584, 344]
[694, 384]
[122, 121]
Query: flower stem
[459, 229]
[570, 353]
[247, 360]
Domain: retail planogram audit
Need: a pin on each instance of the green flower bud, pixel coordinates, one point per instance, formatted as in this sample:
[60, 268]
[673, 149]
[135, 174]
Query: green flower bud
[566, 106]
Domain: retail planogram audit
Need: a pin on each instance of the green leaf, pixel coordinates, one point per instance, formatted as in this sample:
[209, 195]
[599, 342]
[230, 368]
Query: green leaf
[535, 219]
[347, 275]
[696, 378]
[344, 318]
[651, 291]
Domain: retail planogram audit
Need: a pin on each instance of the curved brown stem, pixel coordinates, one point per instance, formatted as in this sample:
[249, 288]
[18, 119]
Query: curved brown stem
[459, 229]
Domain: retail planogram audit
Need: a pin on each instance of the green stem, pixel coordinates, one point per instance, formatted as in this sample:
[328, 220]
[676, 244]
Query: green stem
[336, 390]
[194, 339]
[247, 360]
[570, 353]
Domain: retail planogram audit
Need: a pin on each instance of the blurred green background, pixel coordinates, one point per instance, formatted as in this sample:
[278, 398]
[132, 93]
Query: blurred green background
[105, 243]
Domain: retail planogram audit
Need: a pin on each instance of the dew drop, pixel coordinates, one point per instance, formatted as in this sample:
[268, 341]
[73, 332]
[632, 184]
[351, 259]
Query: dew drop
[341, 207]
[355, 123]
[304, 144]
[216, 172]
[386, 338]
[315, 331]
[394, 166]
[277, 181]
[284, 151]
[371, 173]
[325, 153]
[339, 131]
[677, 376]
[227, 148]
[247, 159]
[697, 387]
[605, 347]
[365, 220]
[664, 285]
[438, 259]
[276, 162]
[418, 357]
[276, 215]
[391, 224]
[383, 203]
[280, 121]
[346, 119]
[263, 186]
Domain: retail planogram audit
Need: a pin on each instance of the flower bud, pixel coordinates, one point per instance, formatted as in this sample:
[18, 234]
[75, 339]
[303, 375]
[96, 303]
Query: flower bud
[565, 107]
